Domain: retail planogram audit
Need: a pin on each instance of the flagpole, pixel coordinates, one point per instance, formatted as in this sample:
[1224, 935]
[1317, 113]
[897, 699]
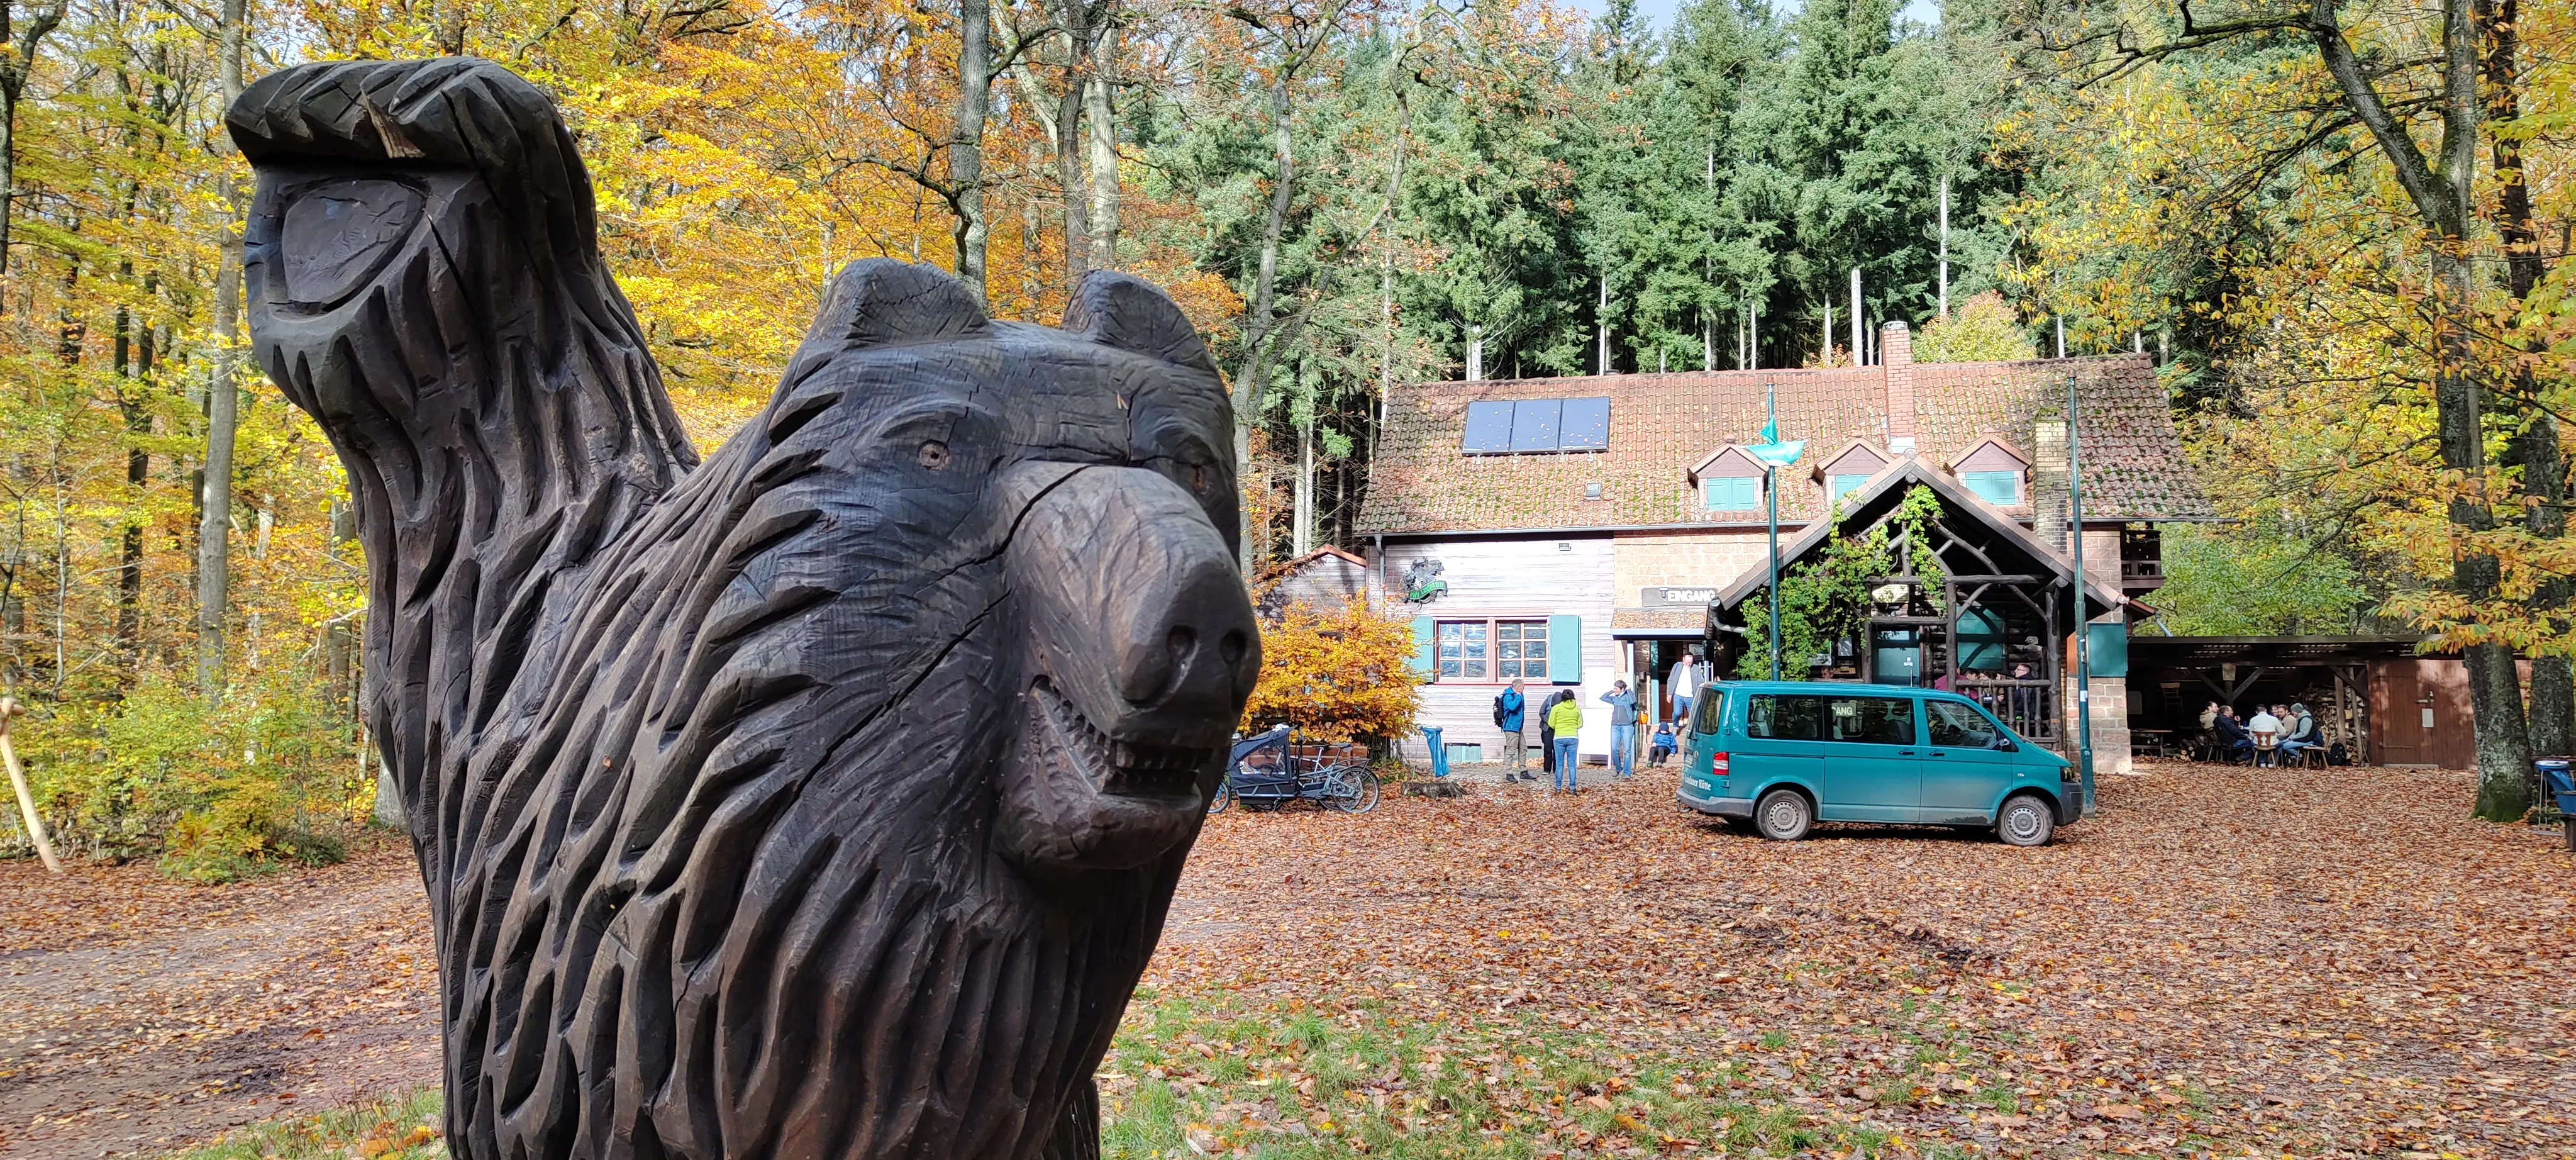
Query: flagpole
[1771, 501]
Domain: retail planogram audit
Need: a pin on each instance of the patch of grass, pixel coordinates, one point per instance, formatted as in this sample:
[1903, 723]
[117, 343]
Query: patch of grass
[399, 1127]
[1227, 1076]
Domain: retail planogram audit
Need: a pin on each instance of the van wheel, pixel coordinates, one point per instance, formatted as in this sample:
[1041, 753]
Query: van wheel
[2026, 820]
[1783, 815]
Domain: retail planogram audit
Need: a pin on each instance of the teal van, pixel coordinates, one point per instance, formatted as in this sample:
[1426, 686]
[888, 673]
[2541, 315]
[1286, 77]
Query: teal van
[1784, 755]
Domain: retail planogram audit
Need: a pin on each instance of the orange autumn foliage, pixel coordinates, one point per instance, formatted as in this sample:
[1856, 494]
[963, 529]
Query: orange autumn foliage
[1335, 675]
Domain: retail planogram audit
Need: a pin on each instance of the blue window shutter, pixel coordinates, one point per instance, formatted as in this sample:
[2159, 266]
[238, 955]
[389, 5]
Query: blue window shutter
[1425, 641]
[1994, 487]
[1732, 493]
[1845, 484]
[1565, 650]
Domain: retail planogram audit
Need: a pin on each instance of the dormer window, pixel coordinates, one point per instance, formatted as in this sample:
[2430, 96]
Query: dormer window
[1994, 472]
[1729, 481]
[1850, 468]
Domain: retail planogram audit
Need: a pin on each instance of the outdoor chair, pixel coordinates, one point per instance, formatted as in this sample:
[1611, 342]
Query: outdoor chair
[2312, 757]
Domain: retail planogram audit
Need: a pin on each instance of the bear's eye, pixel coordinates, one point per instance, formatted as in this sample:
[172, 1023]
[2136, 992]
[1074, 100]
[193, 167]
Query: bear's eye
[934, 455]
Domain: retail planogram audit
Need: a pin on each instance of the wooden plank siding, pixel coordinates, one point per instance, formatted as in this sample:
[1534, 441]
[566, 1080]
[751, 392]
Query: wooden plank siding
[1511, 578]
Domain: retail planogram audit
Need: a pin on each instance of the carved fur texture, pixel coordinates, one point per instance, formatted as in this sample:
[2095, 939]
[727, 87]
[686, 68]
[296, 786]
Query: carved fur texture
[824, 799]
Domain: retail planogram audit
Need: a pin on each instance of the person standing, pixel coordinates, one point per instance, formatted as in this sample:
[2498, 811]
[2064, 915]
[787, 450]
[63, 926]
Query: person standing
[1623, 728]
[1684, 683]
[1509, 710]
[1566, 720]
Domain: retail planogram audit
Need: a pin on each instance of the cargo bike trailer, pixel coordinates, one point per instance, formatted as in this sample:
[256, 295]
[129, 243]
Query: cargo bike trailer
[1264, 773]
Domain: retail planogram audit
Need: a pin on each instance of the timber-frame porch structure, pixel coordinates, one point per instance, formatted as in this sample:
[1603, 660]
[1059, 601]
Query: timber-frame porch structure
[1999, 599]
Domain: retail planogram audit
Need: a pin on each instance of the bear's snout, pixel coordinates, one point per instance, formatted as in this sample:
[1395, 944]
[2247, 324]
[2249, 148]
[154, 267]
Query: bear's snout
[1142, 650]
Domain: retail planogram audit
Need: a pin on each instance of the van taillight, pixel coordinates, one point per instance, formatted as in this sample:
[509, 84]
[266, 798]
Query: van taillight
[1717, 764]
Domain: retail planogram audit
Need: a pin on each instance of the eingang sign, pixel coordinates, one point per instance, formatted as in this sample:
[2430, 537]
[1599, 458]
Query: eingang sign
[1690, 599]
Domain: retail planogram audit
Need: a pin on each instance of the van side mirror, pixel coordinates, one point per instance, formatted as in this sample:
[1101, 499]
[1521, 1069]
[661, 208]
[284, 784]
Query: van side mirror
[2006, 744]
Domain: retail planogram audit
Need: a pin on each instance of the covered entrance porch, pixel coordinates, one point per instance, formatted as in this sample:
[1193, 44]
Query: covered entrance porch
[1916, 581]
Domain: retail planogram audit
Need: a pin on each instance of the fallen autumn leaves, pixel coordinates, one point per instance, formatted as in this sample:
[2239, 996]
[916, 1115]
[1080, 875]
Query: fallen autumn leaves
[2224, 962]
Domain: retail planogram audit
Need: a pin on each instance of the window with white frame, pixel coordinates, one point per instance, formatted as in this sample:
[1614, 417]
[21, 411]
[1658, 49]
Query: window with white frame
[1497, 651]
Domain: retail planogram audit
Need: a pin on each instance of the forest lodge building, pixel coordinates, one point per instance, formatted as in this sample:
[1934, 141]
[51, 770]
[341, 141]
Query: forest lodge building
[1575, 531]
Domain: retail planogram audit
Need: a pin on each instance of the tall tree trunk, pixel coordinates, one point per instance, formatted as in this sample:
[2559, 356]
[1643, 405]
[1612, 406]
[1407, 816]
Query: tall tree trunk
[2534, 448]
[1252, 383]
[1075, 17]
[223, 400]
[448, 19]
[2441, 189]
[1101, 109]
[966, 148]
[25, 40]
[138, 469]
[1302, 534]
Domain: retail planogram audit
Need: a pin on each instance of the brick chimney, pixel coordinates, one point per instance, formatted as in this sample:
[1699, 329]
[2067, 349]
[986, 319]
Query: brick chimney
[2048, 506]
[1896, 365]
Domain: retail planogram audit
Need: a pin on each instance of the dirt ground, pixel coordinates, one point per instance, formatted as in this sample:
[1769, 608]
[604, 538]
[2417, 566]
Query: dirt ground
[2224, 961]
[138, 1013]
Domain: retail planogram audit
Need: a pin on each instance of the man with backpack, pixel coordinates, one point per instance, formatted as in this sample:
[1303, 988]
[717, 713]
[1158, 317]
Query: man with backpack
[1509, 708]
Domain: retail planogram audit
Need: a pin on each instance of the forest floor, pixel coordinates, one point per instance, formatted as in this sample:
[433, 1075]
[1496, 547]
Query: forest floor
[138, 1012]
[2225, 962]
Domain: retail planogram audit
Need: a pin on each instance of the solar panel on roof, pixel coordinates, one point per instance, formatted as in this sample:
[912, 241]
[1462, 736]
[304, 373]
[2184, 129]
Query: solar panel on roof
[1584, 424]
[1489, 428]
[1534, 424]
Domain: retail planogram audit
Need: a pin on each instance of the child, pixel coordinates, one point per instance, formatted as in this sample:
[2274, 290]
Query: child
[1663, 743]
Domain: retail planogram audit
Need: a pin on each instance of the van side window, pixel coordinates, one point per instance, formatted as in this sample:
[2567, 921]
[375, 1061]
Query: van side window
[1959, 726]
[1710, 710]
[1873, 720]
[1784, 718]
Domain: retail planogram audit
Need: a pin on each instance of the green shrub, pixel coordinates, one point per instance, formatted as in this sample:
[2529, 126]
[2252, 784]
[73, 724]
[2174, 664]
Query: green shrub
[265, 779]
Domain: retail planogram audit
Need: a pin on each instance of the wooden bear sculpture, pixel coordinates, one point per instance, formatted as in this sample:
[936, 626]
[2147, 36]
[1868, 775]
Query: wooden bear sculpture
[821, 800]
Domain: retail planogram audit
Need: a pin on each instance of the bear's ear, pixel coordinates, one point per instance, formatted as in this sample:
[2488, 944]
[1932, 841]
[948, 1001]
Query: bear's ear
[1127, 312]
[876, 302]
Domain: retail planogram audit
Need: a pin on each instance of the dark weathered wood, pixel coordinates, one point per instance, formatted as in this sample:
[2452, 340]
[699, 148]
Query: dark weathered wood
[825, 799]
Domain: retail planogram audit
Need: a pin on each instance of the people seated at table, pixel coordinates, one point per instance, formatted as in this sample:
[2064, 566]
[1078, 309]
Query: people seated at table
[2265, 729]
[2300, 733]
[2229, 733]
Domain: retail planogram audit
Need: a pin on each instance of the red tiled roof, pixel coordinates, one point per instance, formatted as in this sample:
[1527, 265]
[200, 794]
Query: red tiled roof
[1660, 425]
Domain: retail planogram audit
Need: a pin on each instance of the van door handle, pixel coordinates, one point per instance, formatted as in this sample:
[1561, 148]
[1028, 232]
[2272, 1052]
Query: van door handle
[1905, 753]
[1938, 753]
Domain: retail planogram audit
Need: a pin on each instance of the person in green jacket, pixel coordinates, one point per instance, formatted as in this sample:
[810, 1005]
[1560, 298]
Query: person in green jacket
[1566, 720]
